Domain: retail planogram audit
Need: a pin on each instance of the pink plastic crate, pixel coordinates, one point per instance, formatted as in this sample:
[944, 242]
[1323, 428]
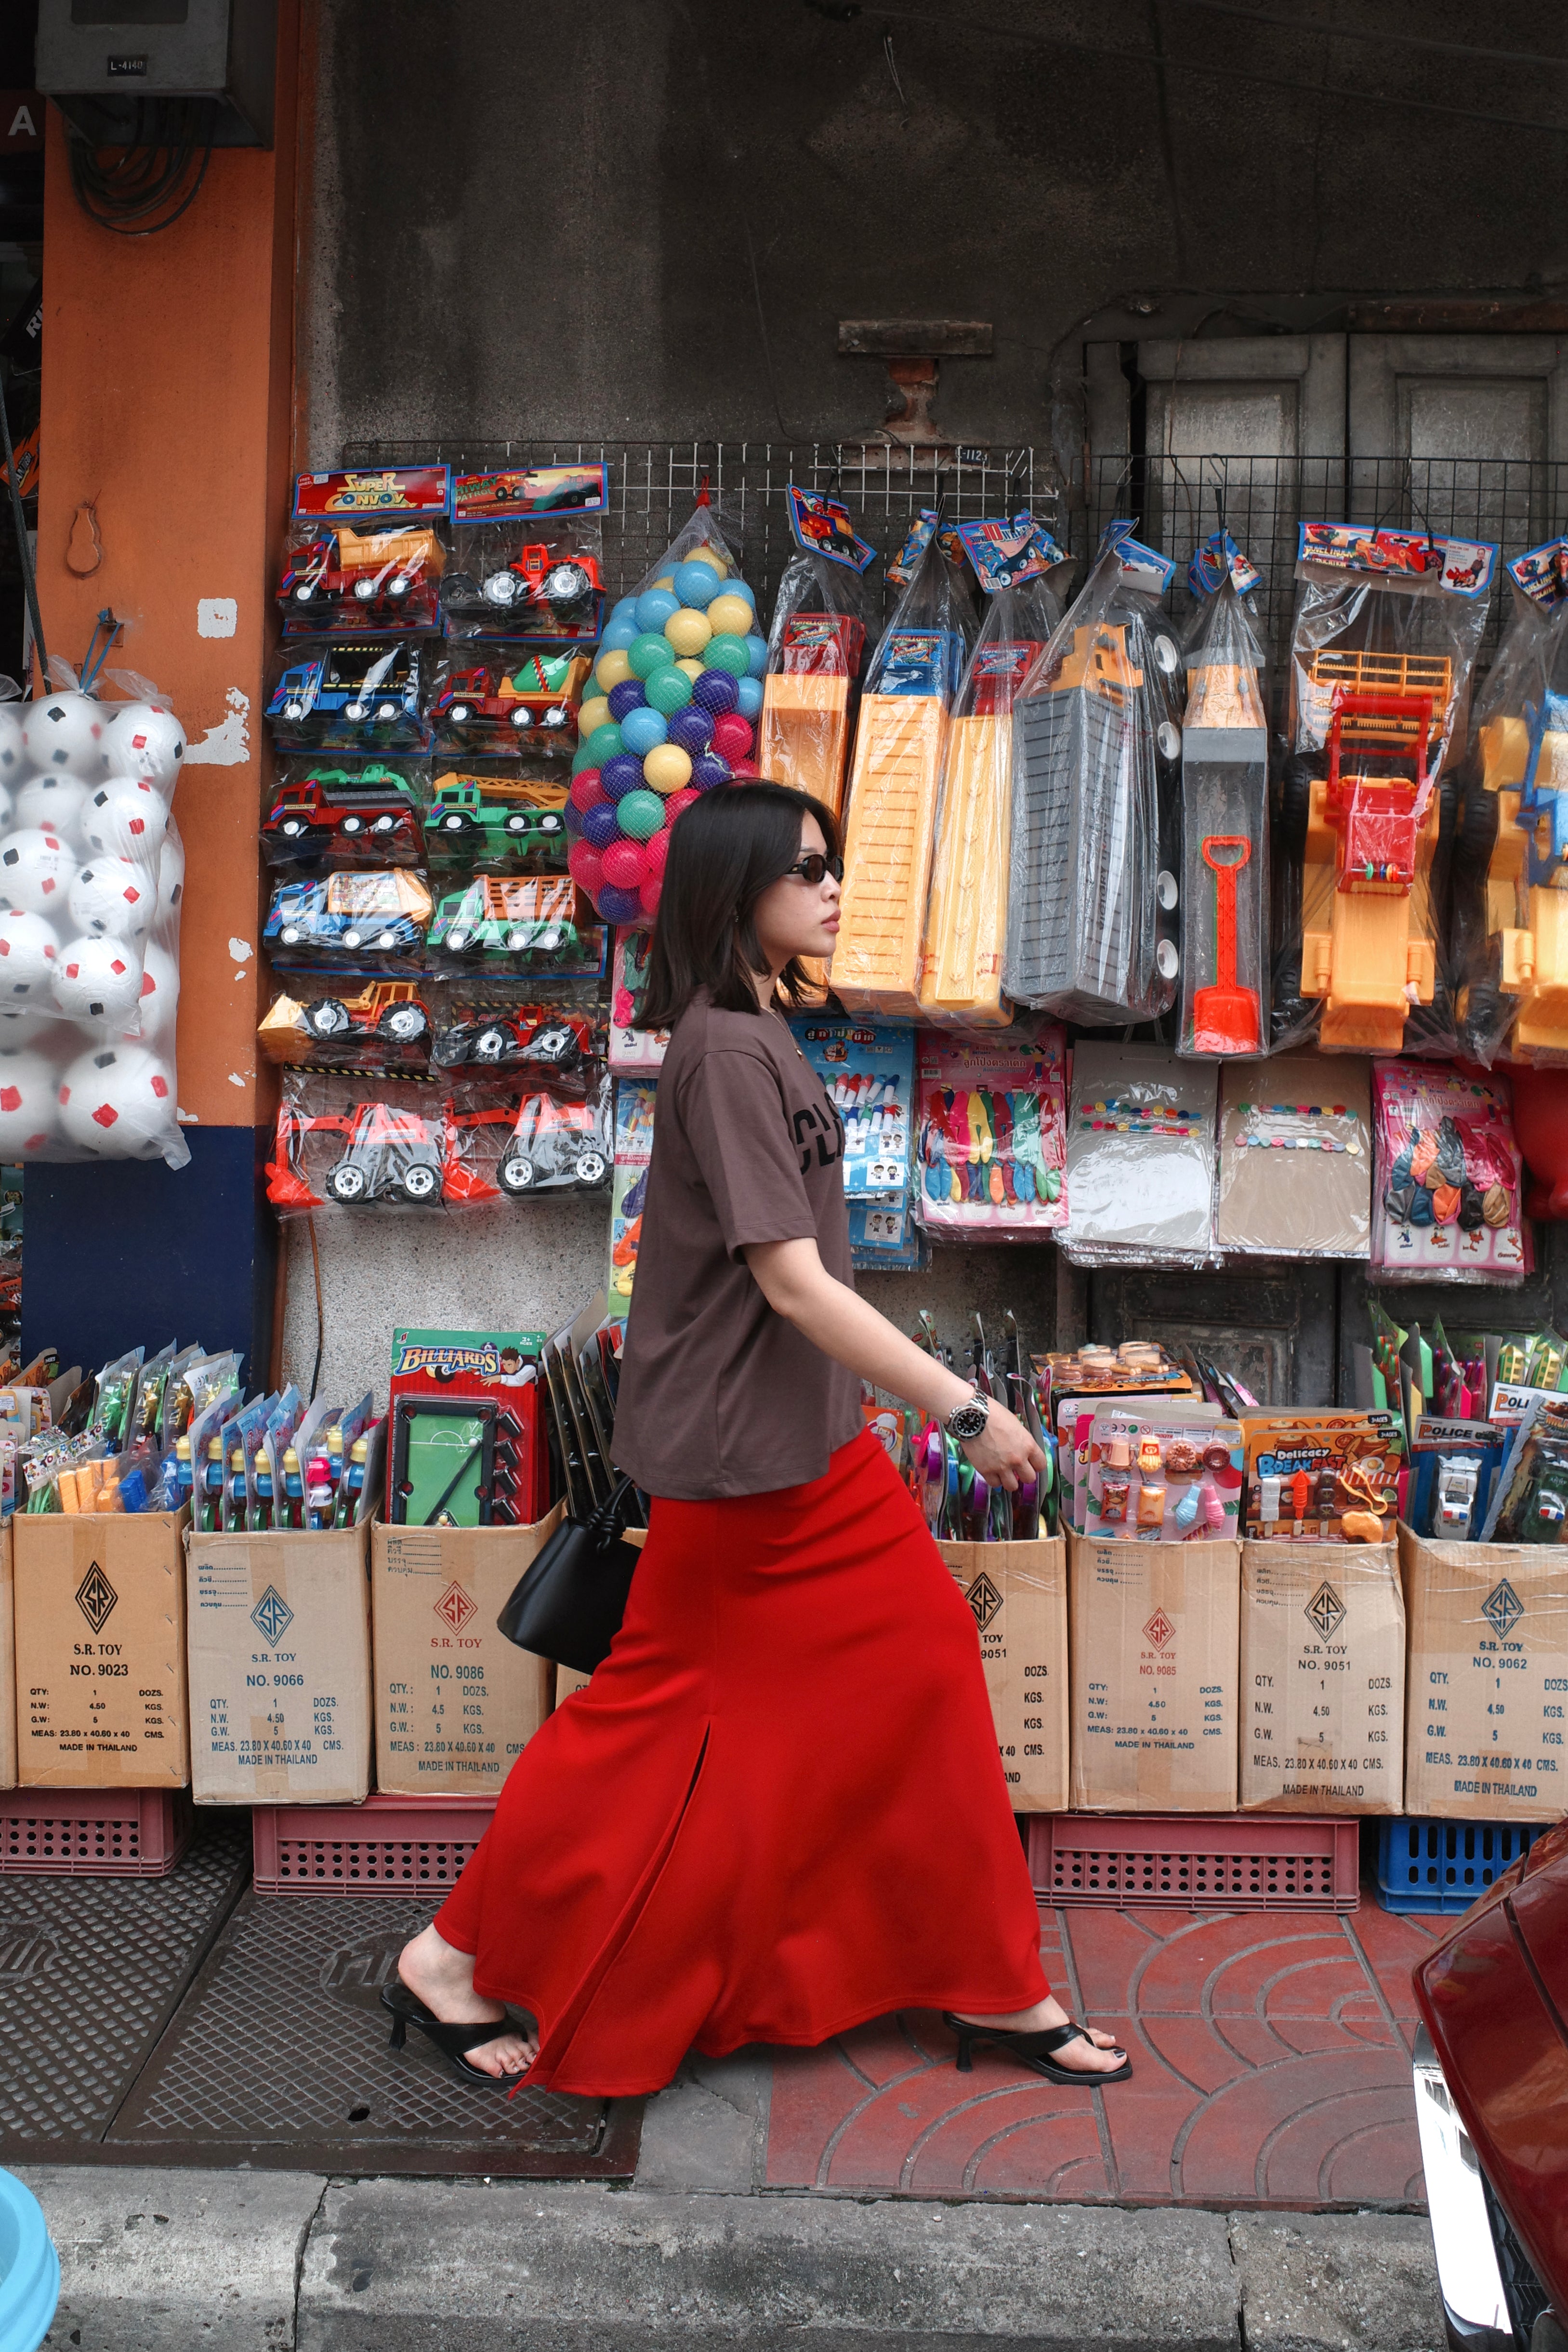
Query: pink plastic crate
[387, 1845]
[93, 1832]
[1197, 1862]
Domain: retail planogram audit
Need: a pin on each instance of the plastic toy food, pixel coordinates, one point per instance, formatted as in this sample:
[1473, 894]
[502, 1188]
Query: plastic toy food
[351, 696]
[489, 816]
[375, 914]
[369, 809]
[381, 579]
[526, 1035]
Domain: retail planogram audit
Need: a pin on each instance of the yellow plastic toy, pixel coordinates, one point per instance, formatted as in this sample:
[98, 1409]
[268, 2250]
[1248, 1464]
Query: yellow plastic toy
[1527, 875]
[805, 733]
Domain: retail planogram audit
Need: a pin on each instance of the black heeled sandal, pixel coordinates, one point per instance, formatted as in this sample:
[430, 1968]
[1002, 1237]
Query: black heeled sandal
[1032, 2050]
[452, 2040]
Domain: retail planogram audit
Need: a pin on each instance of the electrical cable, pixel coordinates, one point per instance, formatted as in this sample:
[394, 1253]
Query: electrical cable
[121, 195]
[24, 549]
[1372, 32]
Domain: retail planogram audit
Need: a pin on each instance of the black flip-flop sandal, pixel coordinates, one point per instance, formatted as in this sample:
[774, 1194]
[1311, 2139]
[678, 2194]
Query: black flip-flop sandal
[452, 2040]
[1032, 2050]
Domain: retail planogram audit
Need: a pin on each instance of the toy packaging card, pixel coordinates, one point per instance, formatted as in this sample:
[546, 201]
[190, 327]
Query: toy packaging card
[823, 526]
[1448, 1194]
[1141, 1154]
[992, 1142]
[1329, 1474]
[530, 490]
[366, 551]
[634, 1052]
[634, 1106]
[496, 1372]
[1006, 554]
[885, 1238]
[1162, 1472]
[375, 494]
[1529, 1500]
[1295, 1157]
[867, 1071]
[1454, 1467]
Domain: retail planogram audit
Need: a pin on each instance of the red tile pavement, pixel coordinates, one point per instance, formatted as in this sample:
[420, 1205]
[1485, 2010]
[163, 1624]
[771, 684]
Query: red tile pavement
[1270, 2066]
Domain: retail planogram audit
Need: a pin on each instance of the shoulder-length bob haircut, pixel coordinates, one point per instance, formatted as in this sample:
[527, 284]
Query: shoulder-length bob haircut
[726, 849]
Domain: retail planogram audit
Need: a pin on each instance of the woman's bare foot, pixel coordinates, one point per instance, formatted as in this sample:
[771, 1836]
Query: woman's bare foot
[443, 1976]
[1100, 2054]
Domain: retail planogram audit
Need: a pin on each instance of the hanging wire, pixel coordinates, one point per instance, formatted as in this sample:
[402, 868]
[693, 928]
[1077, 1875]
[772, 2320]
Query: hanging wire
[169, 141]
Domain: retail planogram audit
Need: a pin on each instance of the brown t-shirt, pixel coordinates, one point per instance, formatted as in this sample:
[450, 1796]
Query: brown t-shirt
[718, 1394]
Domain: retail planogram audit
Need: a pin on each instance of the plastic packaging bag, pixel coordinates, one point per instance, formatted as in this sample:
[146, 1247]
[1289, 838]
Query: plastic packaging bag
[993, 1136]
[816, 648]
[525, 1143]
[1097, 748]
[1140, 1158]
[489, 701]
[1387, 630]
[520, 573]
[351, 696]
[965, 919]
[516, 924]
[1295, 1157]
[496, 821]
[1447, 1188]
[499, 1028]
[350, 1143]
[366, 551]
[355, 921]
[322, 815]
[891, 827]
[670, 713]
[1224, 832]
[328, 1019]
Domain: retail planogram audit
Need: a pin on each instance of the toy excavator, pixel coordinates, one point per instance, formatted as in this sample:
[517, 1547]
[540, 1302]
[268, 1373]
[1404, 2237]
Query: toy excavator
[1524, 779]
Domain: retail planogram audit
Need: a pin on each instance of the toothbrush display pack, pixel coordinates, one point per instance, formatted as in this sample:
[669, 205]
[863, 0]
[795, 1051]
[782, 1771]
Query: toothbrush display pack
[868, 1075]
[1163, 1474]
[992, 1136]
[1447, 1197]
[1295, 1157]
[1140, 1151]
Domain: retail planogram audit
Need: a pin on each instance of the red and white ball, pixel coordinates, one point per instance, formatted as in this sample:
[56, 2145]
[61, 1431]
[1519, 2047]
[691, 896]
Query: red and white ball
[14, 761]
[126, 817]
[97, 980]
[118, 1101]
[170, 877]
[144, 739]
[29, 949]
[29, 1086]
[53, 803]
[112, 898]
[36, 869]
[160, 996]
[64, 731]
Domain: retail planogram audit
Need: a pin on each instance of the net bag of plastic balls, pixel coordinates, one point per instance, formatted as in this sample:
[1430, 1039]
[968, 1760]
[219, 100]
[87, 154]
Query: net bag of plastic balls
[670, 712]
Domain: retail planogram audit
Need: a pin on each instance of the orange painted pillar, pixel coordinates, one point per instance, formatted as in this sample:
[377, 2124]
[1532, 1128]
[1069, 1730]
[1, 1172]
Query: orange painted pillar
[167, 399]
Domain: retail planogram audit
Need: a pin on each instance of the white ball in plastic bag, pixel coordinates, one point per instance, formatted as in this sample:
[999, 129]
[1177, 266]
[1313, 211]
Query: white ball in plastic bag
[160, 996]
[14, 761]
[112, 898]
[96, 980]
[170, 877]
[28, 950]
[118, 1100]
[144, 739]
[52, 803]
[29, 1091]
[36, 869]
[65, 731]
[126, 817]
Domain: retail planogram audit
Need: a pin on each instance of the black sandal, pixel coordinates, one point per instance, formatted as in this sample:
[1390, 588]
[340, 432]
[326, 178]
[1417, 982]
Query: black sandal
[452, 2040]
[1032, 2050]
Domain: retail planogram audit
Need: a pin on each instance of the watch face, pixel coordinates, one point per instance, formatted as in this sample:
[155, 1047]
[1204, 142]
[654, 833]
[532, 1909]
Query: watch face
[967, 1420]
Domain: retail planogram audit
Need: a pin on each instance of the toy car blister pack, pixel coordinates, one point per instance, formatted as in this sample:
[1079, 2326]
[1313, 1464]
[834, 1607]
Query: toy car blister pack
[488, 700]
[1224, 830]
[1453, 1467]
[322, 814]
[992, 1135]
[351, 696]
[816, 648]
[1140, 1157]
[495, 822]
[517, 924]
[325, 1021]
[1447, 1192]
[1162, 1474]
[498, 1030]
[366, 551]
[352, 918]
[518, 1144]
[521, 574]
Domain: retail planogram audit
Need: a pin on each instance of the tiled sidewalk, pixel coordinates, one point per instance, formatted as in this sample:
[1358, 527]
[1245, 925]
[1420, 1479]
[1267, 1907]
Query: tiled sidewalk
[1270, 2066]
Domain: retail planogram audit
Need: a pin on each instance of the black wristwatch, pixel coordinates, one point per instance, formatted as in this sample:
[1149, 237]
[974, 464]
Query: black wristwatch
[968, 1421]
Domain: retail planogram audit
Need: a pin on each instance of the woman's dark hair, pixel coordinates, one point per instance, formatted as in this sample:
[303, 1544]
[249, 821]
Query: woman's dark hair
[726, 849]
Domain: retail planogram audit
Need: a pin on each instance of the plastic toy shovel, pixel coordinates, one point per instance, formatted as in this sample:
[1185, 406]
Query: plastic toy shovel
[1225, 1017]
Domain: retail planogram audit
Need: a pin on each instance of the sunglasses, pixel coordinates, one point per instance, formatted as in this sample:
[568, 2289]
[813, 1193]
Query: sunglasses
[814, 867]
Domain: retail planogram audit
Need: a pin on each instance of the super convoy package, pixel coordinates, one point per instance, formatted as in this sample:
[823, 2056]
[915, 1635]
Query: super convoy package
[366, 551]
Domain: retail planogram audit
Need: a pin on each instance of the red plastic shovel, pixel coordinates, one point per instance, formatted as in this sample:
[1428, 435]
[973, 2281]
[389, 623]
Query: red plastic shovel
[1225, 1016]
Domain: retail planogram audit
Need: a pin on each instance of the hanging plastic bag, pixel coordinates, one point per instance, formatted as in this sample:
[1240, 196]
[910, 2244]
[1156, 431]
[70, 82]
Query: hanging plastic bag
[1508, 939]
[1141, 1153]
[1448, 1190]
[1387, 630]
[527, 556]
[1224, 827]
[815, 649]
[891, 828]
[1096, 762]
[366, 552]
[966, 920]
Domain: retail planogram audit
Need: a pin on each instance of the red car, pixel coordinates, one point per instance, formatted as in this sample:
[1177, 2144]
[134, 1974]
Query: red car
[1492, 2100]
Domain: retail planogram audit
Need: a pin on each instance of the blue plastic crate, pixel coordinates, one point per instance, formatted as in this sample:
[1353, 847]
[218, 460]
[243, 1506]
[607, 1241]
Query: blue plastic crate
[1443, 1866]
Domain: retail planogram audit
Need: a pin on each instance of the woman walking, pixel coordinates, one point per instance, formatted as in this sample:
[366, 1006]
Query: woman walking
[776, 1811]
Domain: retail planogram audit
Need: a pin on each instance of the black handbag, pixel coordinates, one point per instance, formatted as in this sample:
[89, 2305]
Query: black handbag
[570, 1600]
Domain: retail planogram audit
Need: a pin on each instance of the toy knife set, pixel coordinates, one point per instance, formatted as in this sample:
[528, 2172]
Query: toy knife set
[1447, 1195]
[1328, 1474]
[1140, 1150]
[1160, 1473]
[992, 1137]
[467, 1444]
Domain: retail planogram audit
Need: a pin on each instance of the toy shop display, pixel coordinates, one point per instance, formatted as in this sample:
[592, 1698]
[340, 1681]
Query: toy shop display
[495, 824]
[993, 1137]
[524, 570]
[1328, 1474]
[1295, 1157]
[1386, 631]
[352, 695]
[488, 700]
[366, 551]
[1162, 1474]
[516, 924]
[670, 713]
[538, 1138]
[1092, 906]
[1447, 1196]
[320, 814]
[1529, 1499]
[635, 1051]
[816, 647]
[1224, 830]
[635, 1102]
[1140, 1150]
[323, 1021]
[348, 919]
[889, 834]
[965, 921]
[91, 877]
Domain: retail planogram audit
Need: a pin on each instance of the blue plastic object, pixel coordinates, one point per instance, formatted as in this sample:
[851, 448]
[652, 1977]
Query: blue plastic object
[29, 2270]
[1444, 1866]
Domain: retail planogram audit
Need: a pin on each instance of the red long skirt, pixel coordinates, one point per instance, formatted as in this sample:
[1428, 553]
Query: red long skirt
[776, 1811]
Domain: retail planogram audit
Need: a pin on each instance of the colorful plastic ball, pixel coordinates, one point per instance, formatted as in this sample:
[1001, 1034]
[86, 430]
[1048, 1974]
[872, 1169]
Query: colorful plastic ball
[610, 671]
[654, 608]
[732, 736]
[600, 826]
[604, 743]
[571, 817]
[619, 906]
[113, 898]
[650, 653]
[736, 586]
[750, 693]
[66, 732]
[641, 815]
[14, 761]
[644, 730]
[626, 864]
[587, 791]
[669, 689]
[658, 849]
[710, 556]
[757, 655]
[36, 870]
[692, 666]
[629, 695]
[692, 730]
[618, 635]
[746, 771]
[708, 769]
[586, 866]
[688, 632]
[144, 738]
[623, 609]
[667, 768]
[696, 583]
[55, 802]
[730, 654]
[731, 614]
[716, 691]
[665, 579]
[581, 759]
[651, 892]
[622, 775]
[677, 801]
[119, 1100]
[160, 995]
[29, 1098]
[594, 713]
[97, 980]
[28, 948]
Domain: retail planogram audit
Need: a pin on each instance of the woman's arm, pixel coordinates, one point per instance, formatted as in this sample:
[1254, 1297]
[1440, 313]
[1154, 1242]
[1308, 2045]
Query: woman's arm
[797, 1286]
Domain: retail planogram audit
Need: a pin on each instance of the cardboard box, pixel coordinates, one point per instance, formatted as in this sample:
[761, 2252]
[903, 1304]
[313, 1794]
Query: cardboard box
[1156, 1666]
[457, 1703]
[1487, 1719]
[7, 1666]
[101, 1649]
[1322, 1678]
[280, 1667]
[1017, 1592]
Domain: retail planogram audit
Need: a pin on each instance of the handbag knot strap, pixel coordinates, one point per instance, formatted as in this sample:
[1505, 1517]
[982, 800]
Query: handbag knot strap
[608, 1523]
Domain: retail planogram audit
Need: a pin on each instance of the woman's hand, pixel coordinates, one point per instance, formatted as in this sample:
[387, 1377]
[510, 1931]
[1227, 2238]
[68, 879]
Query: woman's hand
[1004, 1453]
